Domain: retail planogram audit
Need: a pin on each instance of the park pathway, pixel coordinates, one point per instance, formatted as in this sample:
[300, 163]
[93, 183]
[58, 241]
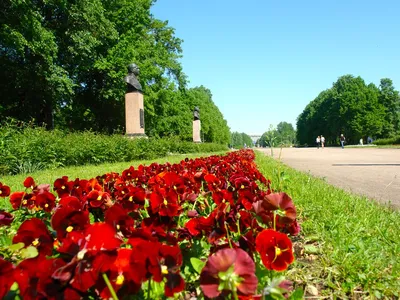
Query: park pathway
[371, 172]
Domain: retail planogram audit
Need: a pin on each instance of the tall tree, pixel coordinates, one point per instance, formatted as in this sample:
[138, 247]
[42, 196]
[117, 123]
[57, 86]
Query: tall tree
[390, 99]
[349, 107]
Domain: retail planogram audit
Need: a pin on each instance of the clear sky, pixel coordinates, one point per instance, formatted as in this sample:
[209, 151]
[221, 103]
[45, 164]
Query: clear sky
[264, 60]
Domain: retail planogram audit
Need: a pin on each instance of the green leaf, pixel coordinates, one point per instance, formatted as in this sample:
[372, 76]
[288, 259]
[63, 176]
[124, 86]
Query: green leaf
[197, 264]
[29, 252]
[311, 249]
[16, 247]
[297, 294]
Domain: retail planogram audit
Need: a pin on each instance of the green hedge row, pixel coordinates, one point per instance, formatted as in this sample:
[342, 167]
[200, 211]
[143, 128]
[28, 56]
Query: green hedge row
[389, 141]
[31, 149]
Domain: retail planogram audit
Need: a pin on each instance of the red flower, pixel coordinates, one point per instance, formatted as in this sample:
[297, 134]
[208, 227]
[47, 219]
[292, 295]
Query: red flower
[232, 269]
[275, 249]
[101, 236]
[34, 232]
[118, 218]
[4, 190]
[170, 263]
[29, 182]
[97, 198]
[46, 200]
[69, 216]
[34, 278]
[283, 203]
[62, 187]
[6, 277]
[164, 203]
[16, 199]
[5, 218]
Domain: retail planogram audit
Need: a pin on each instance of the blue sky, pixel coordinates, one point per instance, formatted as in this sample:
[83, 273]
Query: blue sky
[264, 61]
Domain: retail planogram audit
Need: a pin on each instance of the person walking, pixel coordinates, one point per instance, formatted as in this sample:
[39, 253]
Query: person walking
[322, 141]
[342, 140]
[318, 141]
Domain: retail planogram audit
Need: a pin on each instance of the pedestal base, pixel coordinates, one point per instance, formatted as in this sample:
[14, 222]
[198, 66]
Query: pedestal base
[196, 131]
[134, 114]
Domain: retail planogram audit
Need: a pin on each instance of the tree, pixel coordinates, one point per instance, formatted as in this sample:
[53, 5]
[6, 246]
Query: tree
[66, 60]
[240, 140]
[390, 99]
[285, 134]
[349, 107]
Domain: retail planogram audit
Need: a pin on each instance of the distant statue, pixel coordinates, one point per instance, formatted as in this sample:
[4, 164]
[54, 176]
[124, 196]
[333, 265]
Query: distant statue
[133, 84]
[196, 113]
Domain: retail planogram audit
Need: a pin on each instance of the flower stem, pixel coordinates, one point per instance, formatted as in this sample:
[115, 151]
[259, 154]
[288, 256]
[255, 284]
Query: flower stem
[234, 293]
[110, 287]
[227, 236]
[149, 289]
[274, 220]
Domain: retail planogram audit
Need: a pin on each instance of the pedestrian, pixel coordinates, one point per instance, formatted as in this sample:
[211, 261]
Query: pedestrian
[322, 141]
[318, 141]
[342, 140]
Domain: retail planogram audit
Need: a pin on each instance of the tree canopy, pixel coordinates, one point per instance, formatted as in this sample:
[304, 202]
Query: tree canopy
[63, 64]
[353, 108]
[240, 140]
[283, 134]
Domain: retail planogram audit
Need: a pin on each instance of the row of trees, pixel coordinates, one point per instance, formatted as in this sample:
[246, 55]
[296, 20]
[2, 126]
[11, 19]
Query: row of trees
[240, 140]
[353, 108]
[283, 134]
[62, 64]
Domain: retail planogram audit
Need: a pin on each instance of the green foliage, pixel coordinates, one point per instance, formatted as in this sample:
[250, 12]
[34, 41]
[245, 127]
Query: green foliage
[355, 240]
[350, 107]
[283, 135]
[239, 140]
[388, 141]
[390, 99]
[28, 149]
[63, 64]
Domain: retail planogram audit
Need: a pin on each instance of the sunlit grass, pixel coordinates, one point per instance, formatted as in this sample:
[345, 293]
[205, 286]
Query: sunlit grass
[355, 241]
[86, 172]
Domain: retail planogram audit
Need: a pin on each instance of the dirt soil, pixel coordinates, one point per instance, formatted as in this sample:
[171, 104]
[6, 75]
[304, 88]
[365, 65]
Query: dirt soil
[371, 172]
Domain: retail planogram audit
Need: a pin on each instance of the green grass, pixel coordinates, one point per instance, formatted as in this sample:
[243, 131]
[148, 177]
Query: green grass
[85, 172]
[349, 246]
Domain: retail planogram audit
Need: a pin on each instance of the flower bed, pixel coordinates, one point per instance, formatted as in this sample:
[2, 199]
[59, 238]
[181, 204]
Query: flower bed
[208, 227]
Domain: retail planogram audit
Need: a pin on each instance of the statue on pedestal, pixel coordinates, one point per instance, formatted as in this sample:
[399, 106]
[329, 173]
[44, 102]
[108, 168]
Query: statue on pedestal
[134, 105]
[196, 113]
[133, 84]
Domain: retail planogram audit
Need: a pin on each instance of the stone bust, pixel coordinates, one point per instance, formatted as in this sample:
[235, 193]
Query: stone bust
[196, 113]
[133, 84]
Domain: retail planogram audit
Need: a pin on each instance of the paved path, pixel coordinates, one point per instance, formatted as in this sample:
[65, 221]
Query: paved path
[372, 172]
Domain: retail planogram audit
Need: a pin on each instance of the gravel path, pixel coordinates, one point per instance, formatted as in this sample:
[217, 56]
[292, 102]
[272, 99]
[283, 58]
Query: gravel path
[371, 172]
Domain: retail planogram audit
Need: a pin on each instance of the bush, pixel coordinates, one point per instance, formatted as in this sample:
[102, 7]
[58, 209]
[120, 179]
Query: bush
[389, 141]
[25, 149]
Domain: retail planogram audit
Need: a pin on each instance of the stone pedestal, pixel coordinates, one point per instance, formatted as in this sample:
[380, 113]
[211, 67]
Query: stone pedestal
[134, 114]
[196, 131]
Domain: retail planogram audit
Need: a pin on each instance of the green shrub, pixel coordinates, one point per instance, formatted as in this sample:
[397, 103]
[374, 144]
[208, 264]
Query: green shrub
[24, 149]
[389, 141]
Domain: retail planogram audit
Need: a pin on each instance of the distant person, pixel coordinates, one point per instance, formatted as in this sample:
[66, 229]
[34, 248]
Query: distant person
[369, 140]
[361, 142]
[342, 140]
[318, 141]
[322, 141]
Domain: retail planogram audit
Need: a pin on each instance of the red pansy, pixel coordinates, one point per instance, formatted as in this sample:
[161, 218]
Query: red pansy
[5, 218]
[4, 190]
[230, 269]
[6, 277]
[275, 250]
[29, 182]
[33, 232]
